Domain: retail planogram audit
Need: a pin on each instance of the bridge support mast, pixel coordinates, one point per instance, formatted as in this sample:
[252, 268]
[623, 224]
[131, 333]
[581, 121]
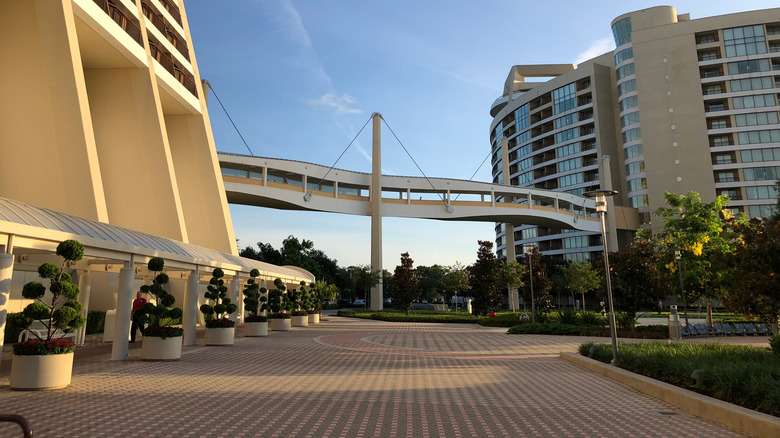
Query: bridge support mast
[377, 302]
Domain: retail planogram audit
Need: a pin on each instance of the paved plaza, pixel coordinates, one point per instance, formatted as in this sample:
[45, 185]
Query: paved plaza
[351, 378]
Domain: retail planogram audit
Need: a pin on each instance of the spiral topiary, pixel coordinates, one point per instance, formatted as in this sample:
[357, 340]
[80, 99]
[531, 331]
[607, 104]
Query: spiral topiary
[216, 314]
[159, 317]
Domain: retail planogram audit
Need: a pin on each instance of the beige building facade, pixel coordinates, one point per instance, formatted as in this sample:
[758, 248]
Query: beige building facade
[680, 105]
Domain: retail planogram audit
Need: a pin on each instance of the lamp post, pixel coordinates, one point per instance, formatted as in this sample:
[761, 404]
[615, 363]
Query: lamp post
[600, 196]
[678, 257]
[529, 250]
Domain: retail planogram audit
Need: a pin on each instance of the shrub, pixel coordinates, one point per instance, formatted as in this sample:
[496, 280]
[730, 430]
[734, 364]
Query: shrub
[41, 347]
[256, 318]
[159, 316]
[346, 313]
[568, 316]
[96, 321]
[545, 328]
[774, 342]
[592, 318]
[14, 325]
[216, 314]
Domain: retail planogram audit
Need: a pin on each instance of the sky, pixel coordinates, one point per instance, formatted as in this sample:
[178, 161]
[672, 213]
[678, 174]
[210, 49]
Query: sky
[300, 78]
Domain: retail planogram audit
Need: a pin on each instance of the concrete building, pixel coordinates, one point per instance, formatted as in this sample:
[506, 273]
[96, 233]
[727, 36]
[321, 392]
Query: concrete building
[679, 105]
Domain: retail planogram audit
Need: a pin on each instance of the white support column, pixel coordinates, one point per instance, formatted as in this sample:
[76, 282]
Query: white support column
[86, 289]
[376, 211]
[605, 172]
[123, 309]
[511, 255]
[235, 287]
[190, 316]
[6, 272]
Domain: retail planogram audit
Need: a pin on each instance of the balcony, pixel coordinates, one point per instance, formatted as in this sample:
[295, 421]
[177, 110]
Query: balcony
[159, 22]
[165, 60]
[121, 19]
[173, 9]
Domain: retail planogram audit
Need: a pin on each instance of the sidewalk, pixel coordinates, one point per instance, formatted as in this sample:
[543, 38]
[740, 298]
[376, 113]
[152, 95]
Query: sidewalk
[351, 378]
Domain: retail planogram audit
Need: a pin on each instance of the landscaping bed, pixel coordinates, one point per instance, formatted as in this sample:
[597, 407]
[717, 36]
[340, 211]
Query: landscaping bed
[742, 375]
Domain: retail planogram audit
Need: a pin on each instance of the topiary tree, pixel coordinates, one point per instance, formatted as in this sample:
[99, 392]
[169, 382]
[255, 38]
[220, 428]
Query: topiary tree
[254, 298]
[159, 317]
[216, 315]
[60, 311]
[279, 302]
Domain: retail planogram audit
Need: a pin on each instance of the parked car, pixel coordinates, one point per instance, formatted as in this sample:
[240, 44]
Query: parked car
[359, 302]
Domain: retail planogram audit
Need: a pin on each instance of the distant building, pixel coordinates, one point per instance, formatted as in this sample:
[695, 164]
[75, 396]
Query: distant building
[679, 105]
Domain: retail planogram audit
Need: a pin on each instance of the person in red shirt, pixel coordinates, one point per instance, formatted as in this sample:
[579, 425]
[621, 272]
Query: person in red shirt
[138, 302]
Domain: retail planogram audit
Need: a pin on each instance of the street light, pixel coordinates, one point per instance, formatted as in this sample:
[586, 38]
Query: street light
[678, 257]
[600, 196]
[528, 251]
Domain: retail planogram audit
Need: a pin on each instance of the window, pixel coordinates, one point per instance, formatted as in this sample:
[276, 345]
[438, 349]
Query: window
[632, 135]
[521, 117]
[565, 120]
[761, 173]
[751, 84]
[256, 175]
[529, 233]
[626, 87]
[713, 89]
[525, 178]
[741, 41]
[525, 164]
[761, 210]
[755, 119]
[754, 137]
[637, 184]
[622, 31]
[726, 176]
[629, 119]
[499, 178]
[568, 149]
[731, 193]
[577, 257]
[635, 167]
[708, 56]
[567, 135]
[758, 155]
[712, 73]
[575, 242]
[624, 55]
[626, 70]
[757, 101]
[570, 180]
[499, 132]
[574, 163]
[236, 172]
[523, 137]
[716, 107]
[743, 67]
[639, 201]
[721, 140]
[634, 151]
[718, 124]
[722, 159]
[564, 98]
[761, 192]
[629, 102]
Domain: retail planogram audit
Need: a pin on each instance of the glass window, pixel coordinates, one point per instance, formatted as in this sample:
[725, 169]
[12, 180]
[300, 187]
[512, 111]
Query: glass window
[634, 151]
[529, 233]
[499, 178]
[635, 167]
[523, 137]
[751, 84]
[499, 132]
[629, 119]
[629, 102]
[632, 135]
[718, 123]
[565, 120]
[624, 55]
[722, 159]
[237, 172]
[568, 149]
[525, 178]
[741, 41]
[564, 98]
[761, 210]
[731, 193]
[757, 101]
[637, 184]
[708, 56]
[756, 155]
[761, 192]
[570, 180]
[761, 173]
[567, 135]
[754, 119]
[626, 70]
[754, 137]
[525, 164]
[638, 201]
[721, 140]
[521, 117]
[622, 32]
[713, 89]
[577, 256]
[626, 87]
[726, 176]
[574, 163]
[575, 242]
[256, 175]
[743, 67]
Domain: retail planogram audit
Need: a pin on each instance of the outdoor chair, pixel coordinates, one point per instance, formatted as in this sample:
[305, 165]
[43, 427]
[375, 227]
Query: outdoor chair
[702, 329]
[684, 331]
[761, 329]
[727, 329]
[692, 329]
[718, 329]
[739, 329]
[751, 330]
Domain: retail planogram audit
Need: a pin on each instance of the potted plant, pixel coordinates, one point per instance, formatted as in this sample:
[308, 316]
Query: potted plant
[300, 316]
[279, 305]
[311, 303]
[46, 361]
[162, 341]
[255, 323]
[220, 330]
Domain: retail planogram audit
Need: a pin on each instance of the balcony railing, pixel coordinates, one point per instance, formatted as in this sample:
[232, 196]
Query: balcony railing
[167, 62]
[159, 23]
[119, 18]
[173, 9]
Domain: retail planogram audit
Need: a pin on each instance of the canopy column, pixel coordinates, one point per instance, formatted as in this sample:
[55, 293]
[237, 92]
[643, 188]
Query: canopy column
[124, 305]
[190, 314]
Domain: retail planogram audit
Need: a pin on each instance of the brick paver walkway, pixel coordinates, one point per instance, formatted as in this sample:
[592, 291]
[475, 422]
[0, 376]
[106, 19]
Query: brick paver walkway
[353, 378]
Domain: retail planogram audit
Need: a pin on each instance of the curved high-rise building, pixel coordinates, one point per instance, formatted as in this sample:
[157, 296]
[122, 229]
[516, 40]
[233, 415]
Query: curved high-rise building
[678, 105]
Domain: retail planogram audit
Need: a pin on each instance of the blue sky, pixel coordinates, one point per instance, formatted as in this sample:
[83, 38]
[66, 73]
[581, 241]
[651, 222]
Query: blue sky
[300, 78]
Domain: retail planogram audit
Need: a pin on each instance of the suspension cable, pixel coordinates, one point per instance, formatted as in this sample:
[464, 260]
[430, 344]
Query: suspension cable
[308, 195]
[475, 172]
[228, 116]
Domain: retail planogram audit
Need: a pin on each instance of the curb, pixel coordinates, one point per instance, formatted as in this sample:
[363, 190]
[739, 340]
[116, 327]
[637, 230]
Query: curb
[736, 417]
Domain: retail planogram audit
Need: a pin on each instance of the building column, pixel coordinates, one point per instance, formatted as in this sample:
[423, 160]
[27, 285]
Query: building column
[606, 184]
[511, 256]
[190, 315]
[376, 211]
[6, 272]
[86, 289]
[124, 307]
[235, 286]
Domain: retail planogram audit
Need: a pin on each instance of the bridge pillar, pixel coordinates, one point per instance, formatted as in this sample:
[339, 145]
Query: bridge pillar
[376, 211]
[511, 255]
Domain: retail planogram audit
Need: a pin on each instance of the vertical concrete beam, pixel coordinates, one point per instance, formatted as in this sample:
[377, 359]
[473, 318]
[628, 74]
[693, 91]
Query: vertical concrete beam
[123, 309]
[376, 211]
[6, 272]
[606, 184]
[235, 287]
[86, 289]
[190, 314]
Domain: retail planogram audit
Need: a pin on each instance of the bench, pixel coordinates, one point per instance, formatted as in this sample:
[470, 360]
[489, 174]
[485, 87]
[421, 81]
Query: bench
[441, 308]
[39, 329]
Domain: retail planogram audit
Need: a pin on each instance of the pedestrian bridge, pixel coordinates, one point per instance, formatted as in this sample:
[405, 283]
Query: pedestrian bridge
[297, 185]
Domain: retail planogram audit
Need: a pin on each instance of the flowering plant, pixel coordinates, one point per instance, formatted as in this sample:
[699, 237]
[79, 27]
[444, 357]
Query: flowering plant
[281, 315]
[220, 323]
[300, 313]
[256, 318]
[40, 347]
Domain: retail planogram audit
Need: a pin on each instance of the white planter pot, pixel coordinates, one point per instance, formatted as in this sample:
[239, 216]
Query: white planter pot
[256, 329]
[220, 336]
[51, 371]
[314, 318]
[300, 321]
[155, 348]
[280, 324]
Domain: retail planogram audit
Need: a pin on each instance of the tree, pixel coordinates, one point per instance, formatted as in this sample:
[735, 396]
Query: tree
[365, 279]
[430, 281]
[636, 280]
[541, 282]
[510, 275]
[388, 286]
[694, 228]
[484, 280]
[456, 280]
[405, 282]
[300, 253]
[579, 277]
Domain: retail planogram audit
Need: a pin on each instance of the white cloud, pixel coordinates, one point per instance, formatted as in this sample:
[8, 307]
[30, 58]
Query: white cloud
[342, 104]
[597, 48]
